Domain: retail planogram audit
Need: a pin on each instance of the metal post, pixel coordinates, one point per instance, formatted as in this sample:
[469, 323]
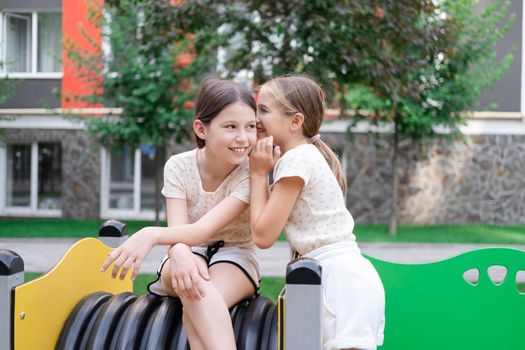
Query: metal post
[11, 275]
[113, 233]
[304, 305]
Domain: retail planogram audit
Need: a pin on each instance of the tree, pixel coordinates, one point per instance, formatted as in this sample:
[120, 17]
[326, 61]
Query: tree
[455, 68]
[150, 74]
[412, 64]
[6, 90]
[6, 87]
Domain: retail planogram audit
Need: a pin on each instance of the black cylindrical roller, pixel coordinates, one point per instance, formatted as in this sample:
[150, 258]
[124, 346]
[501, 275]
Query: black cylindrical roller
[135, 322]
[237, 314]
[179, 340]
[107, 321]
[89, 328]
[73, 331]
[118, 328]
[267, 328]
[269, 336]
[251, 330]
[160, 327]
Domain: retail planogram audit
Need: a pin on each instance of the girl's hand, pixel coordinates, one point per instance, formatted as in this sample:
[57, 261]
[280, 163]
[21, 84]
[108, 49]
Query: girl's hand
[188, 271]
[264, 156]
[131, 253]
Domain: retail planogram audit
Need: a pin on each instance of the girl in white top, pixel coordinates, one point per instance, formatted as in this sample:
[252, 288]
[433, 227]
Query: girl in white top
[307, 200]
[207, 196]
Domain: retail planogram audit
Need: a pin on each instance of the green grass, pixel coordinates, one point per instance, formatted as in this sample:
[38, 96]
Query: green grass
[270, 286]
[29, 228]
[480, 233]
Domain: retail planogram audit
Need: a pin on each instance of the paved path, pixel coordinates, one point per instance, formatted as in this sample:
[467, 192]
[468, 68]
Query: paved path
[40, 255]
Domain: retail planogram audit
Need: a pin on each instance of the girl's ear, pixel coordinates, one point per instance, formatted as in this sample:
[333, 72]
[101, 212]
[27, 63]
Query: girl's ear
[296, 121]
[199, 128]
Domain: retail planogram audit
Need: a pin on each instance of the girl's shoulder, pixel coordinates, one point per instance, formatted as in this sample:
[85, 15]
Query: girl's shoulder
[307, 151]
[182, 160]
[300, 161]
[185, 155]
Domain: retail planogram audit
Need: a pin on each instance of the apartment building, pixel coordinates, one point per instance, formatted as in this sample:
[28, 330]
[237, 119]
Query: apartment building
[51, 167]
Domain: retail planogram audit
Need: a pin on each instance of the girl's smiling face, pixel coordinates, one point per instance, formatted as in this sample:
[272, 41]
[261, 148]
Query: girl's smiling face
[231, 135]
[270, 120]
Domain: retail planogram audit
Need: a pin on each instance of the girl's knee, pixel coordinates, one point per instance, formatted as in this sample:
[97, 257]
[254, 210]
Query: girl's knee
[210, 295]
[167, 286]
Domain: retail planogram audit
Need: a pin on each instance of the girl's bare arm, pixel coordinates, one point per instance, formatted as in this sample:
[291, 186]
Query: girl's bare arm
[269, 213]
[136, 248]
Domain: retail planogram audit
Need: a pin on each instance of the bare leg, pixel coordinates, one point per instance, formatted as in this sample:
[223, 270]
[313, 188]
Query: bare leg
[193, 337]
[207, 322]
[211, 319]
[231, 282]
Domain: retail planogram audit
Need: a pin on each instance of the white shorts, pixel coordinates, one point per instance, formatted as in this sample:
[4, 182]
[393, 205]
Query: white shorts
[354, 298]
[244, 258]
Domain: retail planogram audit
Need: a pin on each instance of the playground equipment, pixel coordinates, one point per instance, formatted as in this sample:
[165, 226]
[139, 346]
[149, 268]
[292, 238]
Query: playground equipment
[428, 306]
[75, 306]
[433, 306]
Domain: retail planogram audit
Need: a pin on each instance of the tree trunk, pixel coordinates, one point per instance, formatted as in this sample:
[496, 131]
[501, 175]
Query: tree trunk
[159, 163]
[342, 103]
[392, 226]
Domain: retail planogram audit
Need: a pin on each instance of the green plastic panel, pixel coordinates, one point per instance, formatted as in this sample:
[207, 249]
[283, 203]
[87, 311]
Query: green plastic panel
[432, 306]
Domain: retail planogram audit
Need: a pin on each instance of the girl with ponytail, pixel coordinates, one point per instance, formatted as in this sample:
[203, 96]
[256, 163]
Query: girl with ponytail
[307, 201]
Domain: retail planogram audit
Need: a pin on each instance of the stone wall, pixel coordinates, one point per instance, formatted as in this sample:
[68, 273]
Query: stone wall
[80, 167]
[478, 180]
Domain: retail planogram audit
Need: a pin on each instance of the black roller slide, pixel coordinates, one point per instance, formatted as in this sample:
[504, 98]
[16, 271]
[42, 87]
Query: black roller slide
[108, 319]
[101, 321]
[76, 326]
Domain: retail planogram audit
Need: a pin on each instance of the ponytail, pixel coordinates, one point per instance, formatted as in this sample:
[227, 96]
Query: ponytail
[333, 162]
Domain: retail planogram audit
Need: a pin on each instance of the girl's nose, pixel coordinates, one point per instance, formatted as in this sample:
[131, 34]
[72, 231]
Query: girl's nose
[241, 135]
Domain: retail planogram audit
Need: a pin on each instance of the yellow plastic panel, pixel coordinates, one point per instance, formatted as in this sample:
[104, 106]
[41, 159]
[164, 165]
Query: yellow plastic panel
[281, 317]
[42, 306]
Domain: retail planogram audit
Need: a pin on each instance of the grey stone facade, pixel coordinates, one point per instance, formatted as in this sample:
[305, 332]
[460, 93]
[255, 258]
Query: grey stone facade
[479, 180]
[80, 167]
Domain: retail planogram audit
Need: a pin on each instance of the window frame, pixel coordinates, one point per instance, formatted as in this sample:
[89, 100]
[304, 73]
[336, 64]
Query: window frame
[105, 179]
[33, 71]
[33, 209]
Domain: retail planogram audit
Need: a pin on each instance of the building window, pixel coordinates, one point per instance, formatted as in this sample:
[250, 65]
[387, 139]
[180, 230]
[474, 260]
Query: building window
[128, 183]
[18, 42]
[31, 42]
[49, 176]
[147, 183]
[122, 168]
[32, 182]
[18, 177]
[49, 50]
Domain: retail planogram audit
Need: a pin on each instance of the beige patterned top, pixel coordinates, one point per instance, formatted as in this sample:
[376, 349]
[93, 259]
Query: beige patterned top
[320, 216]
[182, 180]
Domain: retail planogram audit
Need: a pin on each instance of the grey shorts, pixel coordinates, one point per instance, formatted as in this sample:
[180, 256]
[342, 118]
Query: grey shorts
[244, 258]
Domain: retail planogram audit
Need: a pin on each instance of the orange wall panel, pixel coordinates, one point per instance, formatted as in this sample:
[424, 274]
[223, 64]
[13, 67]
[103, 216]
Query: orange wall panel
[76, 20]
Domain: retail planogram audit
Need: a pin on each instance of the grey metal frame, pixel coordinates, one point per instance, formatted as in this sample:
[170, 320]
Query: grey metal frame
[303, 306]
[11, 275]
